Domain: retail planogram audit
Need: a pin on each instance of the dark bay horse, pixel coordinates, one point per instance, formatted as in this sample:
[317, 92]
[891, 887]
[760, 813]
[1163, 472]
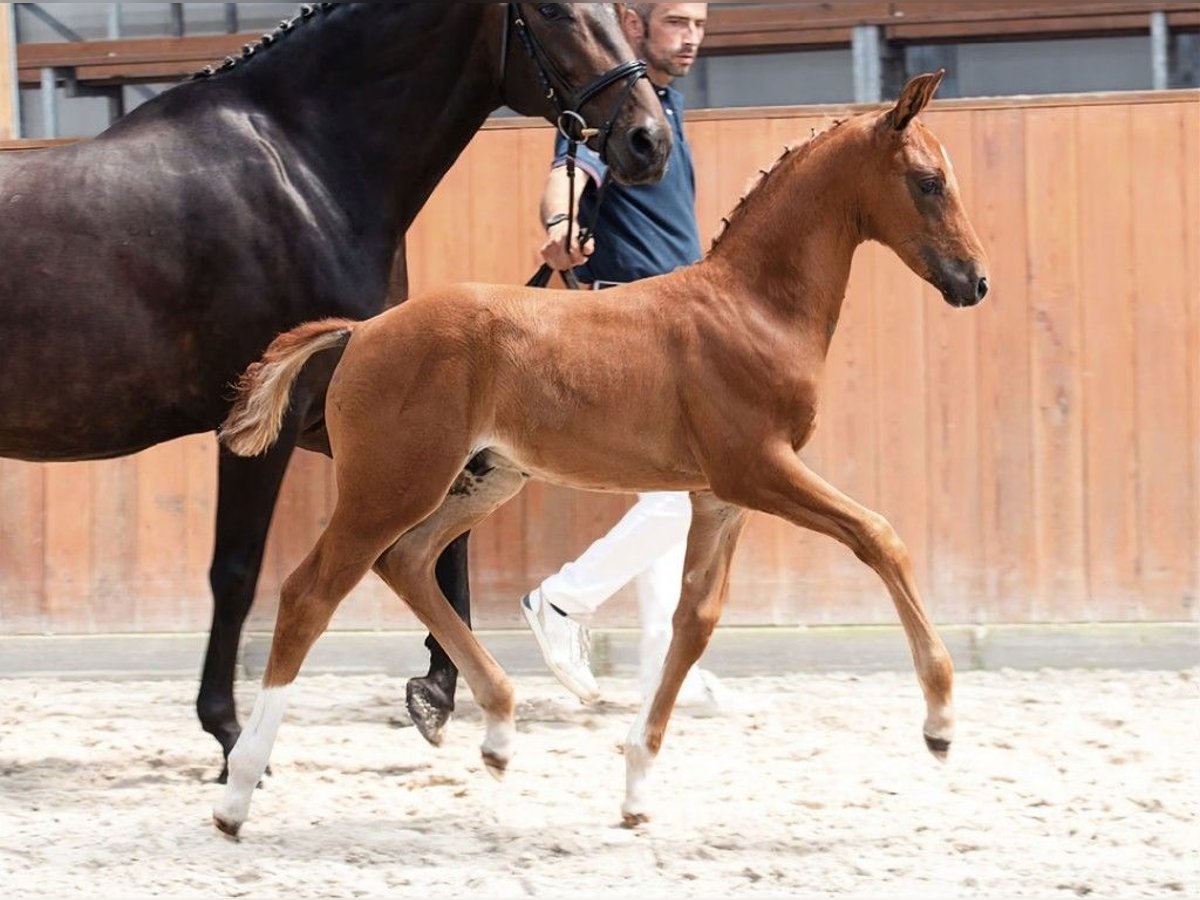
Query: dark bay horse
[705, 380]
[144, 269]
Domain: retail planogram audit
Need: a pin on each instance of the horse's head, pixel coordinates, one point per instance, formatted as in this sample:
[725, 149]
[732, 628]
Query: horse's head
[571, 61]
[913, 203]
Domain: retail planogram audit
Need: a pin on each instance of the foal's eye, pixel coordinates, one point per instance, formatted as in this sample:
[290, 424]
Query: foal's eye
[931, 186]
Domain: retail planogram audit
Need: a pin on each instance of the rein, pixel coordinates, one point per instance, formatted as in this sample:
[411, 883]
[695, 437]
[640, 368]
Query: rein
[571, 123]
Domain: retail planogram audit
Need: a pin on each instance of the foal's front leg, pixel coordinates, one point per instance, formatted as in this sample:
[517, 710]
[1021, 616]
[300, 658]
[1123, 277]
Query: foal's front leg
[712, 538]
[785, 487]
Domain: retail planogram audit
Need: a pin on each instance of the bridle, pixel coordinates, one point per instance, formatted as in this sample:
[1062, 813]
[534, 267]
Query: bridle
[558, 90]
[569, 104]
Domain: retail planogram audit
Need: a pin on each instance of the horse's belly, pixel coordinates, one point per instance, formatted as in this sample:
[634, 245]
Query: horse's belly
[601, 467]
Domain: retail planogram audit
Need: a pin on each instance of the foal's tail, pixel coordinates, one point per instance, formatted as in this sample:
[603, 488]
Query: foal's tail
[264, 389]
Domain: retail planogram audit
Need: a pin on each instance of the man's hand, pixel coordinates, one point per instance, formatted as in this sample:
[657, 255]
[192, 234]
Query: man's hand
[556, 252]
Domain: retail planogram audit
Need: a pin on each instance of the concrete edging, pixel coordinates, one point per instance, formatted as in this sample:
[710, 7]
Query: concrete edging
[735, 651]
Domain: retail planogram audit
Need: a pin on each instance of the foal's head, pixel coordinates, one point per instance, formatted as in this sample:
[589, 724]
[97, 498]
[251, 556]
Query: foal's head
[912, 201]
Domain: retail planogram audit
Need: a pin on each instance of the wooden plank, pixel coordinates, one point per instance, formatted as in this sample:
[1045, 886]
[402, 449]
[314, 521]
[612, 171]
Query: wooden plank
[129, 60]
[956, 562]
[114, 541]
[160, 538]
[1110, 295]
[22, 548]
[1053, 186]
[1164, 376]
[902, 392]
[9, 112]
[200, 465]
[1190, 129]
[68, 548]
[1003, 367]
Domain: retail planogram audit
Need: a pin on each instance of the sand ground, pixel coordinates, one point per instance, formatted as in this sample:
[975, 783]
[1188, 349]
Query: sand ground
[1061, 783]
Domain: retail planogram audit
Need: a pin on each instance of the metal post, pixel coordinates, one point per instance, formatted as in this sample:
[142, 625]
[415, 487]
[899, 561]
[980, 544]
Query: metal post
[231, 18]
[868, 68]
[115, 25]
[176, 20]
[49, 103]
[1160, 50]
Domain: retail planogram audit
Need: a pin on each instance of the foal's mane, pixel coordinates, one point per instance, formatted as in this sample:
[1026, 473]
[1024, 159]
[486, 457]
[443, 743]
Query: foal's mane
[307, 12]
[795, 152]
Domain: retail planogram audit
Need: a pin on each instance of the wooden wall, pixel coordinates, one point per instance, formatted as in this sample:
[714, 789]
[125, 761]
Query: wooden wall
[8, 74]
[1040, 454]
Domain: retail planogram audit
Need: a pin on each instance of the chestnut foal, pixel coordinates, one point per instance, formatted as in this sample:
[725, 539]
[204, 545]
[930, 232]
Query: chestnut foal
[705, 380]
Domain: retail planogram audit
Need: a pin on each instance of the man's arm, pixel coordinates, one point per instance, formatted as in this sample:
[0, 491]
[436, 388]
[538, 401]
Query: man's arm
[555, 204]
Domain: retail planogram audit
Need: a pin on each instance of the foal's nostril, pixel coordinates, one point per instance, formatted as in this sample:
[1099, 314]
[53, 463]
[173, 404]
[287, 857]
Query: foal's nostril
[981, 288]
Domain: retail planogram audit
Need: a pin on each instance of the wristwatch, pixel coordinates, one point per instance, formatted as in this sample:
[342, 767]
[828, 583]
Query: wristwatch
[555, 219]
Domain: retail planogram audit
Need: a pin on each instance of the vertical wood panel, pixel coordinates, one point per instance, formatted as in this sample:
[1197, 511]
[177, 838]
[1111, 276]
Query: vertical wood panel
[1168, 498]
[114, 529]
[68, 546]
[1108, 290]
[956, 560]
[161, 532]
[1190, 128]
[1055, 338]
[195, 613]
[901, 415]
[1004, 390]
[22, 548]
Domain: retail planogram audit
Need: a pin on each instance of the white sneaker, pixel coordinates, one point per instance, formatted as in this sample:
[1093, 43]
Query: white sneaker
[703, 694]
[565, 646]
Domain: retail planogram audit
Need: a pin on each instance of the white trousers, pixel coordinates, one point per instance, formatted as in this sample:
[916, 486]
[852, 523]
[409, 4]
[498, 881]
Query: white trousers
[647, 546]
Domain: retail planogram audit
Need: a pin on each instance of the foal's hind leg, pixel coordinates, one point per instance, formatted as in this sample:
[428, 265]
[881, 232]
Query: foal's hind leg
[408, 569]
[712, 538]
[789, 489]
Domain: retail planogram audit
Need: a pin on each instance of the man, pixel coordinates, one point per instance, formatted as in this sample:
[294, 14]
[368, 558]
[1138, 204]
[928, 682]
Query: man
[641, 231]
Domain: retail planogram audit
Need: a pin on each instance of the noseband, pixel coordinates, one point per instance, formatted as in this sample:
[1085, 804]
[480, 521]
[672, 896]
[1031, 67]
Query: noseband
[557, 89]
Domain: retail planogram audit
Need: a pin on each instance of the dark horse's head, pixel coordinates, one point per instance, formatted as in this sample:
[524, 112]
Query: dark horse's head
[571, 63]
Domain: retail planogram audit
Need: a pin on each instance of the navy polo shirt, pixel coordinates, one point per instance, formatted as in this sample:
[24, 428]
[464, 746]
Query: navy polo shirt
[642, 230]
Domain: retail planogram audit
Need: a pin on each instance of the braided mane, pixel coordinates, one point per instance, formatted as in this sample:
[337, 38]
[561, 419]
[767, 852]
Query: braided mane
[796, 151]
[307, 12]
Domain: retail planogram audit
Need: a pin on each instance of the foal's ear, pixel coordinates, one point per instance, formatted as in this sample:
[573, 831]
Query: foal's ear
[916, 94]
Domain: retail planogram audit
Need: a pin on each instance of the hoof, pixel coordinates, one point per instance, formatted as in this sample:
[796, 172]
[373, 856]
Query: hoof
[633, 820]
[939, 747]
[429, 708]
[495, 765]
[230, 829]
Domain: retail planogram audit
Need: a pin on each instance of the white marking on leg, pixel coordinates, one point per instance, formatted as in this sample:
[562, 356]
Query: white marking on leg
[249, 757]
[497, 746]
[638, 760]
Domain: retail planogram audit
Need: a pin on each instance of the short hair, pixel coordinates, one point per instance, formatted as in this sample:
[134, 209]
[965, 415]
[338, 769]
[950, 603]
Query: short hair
[644, 10]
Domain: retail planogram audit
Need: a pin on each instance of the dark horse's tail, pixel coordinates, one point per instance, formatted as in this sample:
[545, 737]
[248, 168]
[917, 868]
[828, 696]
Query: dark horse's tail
[253, 424]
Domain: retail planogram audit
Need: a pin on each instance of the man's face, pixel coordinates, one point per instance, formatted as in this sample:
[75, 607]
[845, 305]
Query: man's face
[671, 39]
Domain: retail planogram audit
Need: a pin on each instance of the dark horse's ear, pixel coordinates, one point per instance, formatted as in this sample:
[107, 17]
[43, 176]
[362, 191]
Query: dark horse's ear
[916, 94]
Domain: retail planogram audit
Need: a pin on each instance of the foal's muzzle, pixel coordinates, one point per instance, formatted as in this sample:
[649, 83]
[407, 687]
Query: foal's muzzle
[963, 283]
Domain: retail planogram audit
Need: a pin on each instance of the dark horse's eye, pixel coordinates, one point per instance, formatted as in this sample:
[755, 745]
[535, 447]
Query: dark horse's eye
[931, 186]
[550, 10]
